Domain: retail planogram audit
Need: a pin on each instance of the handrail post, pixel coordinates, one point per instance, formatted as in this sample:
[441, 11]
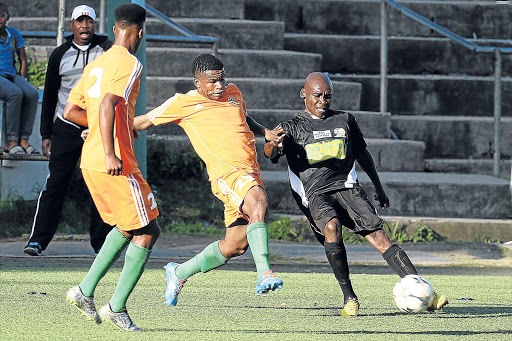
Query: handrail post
[497, 110]
[103, 16]
[60, 28]
[383, 57]
[215, 48]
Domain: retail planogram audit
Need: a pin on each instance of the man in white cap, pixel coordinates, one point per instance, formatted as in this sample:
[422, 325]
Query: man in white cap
[62, 143]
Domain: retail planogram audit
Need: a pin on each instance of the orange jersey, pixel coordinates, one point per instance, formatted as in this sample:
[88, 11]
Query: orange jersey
[218, 130]
[115, 72]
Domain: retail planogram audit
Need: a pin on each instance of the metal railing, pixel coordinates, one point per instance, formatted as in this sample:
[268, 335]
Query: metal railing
[498, 61]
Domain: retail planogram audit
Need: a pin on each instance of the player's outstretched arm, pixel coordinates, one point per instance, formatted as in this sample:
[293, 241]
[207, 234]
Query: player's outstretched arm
[142, 122]
[108, 104]
[365, 160]
[75, 114]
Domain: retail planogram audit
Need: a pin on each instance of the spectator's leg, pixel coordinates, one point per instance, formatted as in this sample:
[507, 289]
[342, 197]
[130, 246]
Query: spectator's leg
[65, 153]
[28, 109]
[13, 96]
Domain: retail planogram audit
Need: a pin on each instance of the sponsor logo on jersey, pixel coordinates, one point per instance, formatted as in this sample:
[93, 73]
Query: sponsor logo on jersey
[234, 101]
[321, 134]
[340, 132]
[321, 151]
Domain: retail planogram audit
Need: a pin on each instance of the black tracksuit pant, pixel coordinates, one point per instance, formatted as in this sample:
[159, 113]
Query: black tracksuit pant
[65, 152]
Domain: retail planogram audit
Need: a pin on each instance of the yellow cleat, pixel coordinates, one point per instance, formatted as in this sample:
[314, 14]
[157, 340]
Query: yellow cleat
[350, 309]
[438, 302]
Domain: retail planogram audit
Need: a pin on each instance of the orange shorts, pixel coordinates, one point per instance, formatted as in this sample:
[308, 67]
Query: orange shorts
[125, 201]
[231, 189]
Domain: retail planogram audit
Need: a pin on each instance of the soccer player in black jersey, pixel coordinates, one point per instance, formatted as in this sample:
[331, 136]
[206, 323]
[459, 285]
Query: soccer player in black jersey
[321, 147]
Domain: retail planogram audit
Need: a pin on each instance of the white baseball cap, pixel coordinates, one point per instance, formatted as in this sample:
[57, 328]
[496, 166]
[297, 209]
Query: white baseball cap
[83, 10]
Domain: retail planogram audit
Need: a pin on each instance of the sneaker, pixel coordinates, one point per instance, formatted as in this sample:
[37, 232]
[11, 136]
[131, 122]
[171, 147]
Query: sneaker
[268, 282]
[84, 304]
[438, 302]
[33, 249]
[174, 285]
[121, 319]
[351, 308]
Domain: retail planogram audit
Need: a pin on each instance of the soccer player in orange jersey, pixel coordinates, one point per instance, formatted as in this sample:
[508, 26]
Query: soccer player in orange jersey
[215, 120]
[104, 100]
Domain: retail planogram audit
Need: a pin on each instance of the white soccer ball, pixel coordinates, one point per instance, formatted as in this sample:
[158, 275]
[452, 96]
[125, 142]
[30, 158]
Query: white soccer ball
[413, 294]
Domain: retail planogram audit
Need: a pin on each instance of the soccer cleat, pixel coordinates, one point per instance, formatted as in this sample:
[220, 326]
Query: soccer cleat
[351, 308]
[268, 282]
[33, 249]
[438, 302]
[174, 285]
[84, 304]
[121, 319]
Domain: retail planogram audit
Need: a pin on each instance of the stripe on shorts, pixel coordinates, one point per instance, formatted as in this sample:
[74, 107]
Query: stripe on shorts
[138, 200]
[229, 192]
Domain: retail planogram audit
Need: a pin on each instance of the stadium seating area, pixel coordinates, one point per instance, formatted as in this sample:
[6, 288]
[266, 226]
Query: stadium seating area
[440, 95]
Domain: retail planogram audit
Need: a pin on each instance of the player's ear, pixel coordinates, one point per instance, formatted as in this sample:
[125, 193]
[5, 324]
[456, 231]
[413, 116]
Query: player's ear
[141, 33]
[303, 93]
[114, 29]
[196, 82]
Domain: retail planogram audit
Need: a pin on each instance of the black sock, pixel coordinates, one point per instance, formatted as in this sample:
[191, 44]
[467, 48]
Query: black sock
[337, 257]
[398, 261]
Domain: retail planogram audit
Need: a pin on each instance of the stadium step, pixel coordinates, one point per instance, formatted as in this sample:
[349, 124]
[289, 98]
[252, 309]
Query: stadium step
[483, 19]
[432, 94]
[372, 124]
[406, 55]
[177, 62]
[258, 93]
[417, 194]
[232, 34]
[220, 9]
[459, 137]
[467, 166]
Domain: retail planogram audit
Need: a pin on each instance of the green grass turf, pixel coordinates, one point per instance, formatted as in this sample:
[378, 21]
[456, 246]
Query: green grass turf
[221, 305]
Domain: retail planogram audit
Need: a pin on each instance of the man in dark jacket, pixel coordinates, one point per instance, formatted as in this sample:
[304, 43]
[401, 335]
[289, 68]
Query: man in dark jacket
[62, 143]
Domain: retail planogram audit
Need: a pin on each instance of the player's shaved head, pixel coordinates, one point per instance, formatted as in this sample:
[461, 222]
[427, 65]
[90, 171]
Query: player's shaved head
[316, 77]
[129, 15]
[317, 94]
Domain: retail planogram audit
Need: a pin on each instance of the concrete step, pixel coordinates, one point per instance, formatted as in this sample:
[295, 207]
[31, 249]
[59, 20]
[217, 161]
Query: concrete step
[222, 9]
[417, 194]
[467, 166]
[388, 156]
[483, 19]
[460, 137]
[433, 94]
[232, 33]
[406, 55]
[177, 62]
[372, 124]
[258, 92]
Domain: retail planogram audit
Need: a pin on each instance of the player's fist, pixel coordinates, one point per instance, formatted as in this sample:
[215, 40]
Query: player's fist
[114, 165]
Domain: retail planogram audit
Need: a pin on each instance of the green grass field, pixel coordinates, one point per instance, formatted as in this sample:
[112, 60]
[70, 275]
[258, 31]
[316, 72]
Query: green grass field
[221, 305]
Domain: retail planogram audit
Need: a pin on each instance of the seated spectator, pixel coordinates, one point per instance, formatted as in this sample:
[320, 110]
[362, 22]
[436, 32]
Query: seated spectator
[15, 90]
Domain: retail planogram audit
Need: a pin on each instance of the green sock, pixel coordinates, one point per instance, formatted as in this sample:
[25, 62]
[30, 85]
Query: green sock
[257, 236]
[112, 248]
[206, 260]
[135, 260]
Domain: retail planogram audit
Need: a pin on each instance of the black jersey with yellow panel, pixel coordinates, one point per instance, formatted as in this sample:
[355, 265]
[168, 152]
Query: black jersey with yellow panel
[322, 151]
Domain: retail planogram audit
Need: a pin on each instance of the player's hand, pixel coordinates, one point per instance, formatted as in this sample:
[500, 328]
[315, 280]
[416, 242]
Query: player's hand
[382, 198]
[136, 133]
[46, 147]
[84, 134]
[114, 165]
[275, 136]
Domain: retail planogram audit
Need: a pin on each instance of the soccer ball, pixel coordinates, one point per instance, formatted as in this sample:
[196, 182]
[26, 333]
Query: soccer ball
[413, 294]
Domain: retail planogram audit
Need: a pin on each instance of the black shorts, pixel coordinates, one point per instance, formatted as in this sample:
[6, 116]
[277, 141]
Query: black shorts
[350, 205]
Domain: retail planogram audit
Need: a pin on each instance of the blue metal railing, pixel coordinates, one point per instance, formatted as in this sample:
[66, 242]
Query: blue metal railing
[498, 64]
